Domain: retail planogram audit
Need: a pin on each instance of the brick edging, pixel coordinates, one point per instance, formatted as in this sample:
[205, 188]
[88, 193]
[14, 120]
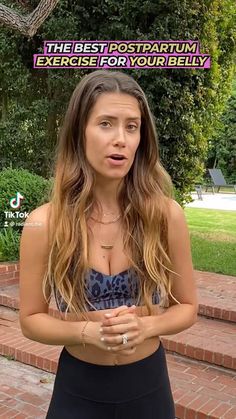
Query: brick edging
[9, 273]
[200, 354]
[217, 313]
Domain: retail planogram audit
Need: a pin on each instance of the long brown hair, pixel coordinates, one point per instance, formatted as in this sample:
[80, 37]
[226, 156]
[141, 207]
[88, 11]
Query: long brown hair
[143, 200]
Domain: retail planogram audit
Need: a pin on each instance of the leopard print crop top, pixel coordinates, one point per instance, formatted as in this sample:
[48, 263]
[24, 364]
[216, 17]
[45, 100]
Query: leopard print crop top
[109, 291]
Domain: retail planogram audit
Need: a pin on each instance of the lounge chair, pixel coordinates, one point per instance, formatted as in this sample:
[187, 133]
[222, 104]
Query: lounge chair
[218, 180]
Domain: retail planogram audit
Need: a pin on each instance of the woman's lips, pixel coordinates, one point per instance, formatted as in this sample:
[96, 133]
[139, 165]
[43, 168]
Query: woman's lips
[114, 162]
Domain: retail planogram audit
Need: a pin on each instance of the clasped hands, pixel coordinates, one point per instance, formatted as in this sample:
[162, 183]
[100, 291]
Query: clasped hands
[122, 320]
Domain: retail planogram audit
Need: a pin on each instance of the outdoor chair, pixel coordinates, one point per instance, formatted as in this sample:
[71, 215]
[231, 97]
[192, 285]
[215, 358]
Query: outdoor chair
[198, 189]
[218, 180]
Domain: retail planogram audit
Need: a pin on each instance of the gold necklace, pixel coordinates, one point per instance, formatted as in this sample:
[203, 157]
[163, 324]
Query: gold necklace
[108, 246]
[107, 222]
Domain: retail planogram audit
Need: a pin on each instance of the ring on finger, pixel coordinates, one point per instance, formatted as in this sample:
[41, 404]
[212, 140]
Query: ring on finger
[124, 339]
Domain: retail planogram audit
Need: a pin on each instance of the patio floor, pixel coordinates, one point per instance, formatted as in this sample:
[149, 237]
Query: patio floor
[221, 201]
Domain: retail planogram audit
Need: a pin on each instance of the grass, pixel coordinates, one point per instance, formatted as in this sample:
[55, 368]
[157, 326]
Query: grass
[213, 239]
[9, 357]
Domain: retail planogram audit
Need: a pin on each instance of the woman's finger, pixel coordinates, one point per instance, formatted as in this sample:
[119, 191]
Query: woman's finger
[117, 339]
[118, 328]
[122, 319]
[119, 310]
[127, 310]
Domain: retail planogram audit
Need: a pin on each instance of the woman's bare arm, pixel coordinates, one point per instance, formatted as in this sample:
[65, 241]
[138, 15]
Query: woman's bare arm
[36, 324]
[181, 316]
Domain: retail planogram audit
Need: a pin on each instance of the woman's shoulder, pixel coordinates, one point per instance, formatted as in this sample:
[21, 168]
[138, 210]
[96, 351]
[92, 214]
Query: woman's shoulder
[40, 214]
[34, 236]
[36, 225]
[177, 221]
[174, 209]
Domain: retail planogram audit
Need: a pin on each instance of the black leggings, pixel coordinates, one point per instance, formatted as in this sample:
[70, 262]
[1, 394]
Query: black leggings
[139, 390]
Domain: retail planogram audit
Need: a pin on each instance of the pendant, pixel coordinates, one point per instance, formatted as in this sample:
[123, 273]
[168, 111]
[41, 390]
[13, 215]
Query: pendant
[106, 246]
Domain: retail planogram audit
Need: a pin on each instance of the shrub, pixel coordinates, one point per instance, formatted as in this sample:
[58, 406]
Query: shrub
[9, 244]
[180, 198]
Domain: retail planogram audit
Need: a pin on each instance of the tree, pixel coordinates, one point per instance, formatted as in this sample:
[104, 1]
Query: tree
[27, 25]
[222, 147]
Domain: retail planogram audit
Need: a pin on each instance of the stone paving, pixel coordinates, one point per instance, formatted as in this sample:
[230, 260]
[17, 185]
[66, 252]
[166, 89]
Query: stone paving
[220, 201]
[25, 391]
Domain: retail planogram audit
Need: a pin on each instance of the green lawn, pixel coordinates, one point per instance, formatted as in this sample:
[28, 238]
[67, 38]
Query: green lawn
[213, 239]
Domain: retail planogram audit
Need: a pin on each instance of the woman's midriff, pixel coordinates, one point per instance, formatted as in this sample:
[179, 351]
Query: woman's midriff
[95, 355]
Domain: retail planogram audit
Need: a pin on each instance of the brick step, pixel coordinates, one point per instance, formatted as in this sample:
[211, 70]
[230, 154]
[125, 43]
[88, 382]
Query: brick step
[15, 345]
[9, 297]
[201, 390]
[207, 340]
[217, 292]
[9, 273]
[213, 341]
[22, 389]
[217, 295]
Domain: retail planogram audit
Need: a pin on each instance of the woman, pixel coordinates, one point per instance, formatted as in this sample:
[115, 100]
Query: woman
[114, 246]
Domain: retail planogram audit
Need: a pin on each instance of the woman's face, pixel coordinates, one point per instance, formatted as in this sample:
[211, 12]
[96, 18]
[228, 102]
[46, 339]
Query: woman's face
[113, 127]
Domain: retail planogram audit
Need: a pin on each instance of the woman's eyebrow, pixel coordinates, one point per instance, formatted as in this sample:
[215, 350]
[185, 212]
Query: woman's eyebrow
[115, 117]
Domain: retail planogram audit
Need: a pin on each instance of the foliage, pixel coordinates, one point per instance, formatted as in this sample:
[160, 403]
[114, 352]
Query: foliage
[9, 244]
[223, 145]
[24, 143]
[186, 103]
[179, 197]
[33, 188]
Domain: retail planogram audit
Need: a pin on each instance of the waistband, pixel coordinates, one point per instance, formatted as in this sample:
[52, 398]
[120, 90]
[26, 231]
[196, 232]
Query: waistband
[112, 383]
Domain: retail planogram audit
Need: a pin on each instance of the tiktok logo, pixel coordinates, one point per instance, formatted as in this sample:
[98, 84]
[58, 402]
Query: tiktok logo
[15, 202]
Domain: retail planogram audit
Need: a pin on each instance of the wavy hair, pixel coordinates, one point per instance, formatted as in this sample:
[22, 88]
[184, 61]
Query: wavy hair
[143, 201]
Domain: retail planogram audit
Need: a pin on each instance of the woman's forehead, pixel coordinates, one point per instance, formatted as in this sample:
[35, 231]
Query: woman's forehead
[106, 102]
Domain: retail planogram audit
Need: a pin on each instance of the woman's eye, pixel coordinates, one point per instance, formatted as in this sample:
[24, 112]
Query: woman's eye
[130, 126]
[133, 127]
[104, 122]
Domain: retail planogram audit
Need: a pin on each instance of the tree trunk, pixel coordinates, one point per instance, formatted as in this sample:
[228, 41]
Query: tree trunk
[27, 25]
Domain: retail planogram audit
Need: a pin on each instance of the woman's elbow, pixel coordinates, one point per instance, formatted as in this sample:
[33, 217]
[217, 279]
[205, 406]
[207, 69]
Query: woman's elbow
[194, 313]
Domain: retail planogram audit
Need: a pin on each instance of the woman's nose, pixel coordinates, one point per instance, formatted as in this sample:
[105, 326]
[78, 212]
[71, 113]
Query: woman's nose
[120, 135]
